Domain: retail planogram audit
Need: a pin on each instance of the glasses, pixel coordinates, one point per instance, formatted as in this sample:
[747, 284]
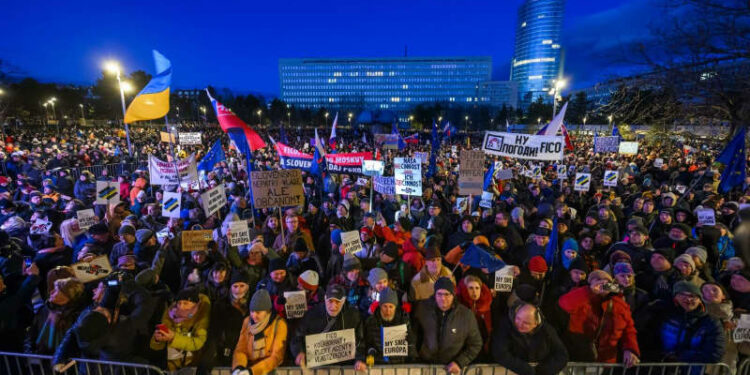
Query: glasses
[688, 296]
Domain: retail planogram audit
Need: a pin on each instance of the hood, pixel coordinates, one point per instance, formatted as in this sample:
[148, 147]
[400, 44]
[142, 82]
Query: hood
[485, 297]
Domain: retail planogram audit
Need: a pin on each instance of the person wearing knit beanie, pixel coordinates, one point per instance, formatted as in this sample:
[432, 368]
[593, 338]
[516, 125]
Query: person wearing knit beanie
[599, 275]
[623, 268]
[308, 281]
[698, 253]
[378, 279]
[388, 296]
[126, 230]
[261, 301]
[143, 235]
[537, 266]
[445, 283]
[351, 263]
[685, 264]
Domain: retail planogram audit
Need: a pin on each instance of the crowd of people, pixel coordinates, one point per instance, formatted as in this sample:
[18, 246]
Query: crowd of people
[631, 275]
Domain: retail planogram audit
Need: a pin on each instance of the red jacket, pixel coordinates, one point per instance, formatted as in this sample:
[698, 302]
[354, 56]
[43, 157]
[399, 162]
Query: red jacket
[481, 309]
[618, 330]
[412, 256]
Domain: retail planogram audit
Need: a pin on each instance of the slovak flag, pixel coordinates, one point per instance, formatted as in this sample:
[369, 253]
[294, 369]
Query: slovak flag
[244, 137]
[568, 143]
[332, 138]
[414, 138]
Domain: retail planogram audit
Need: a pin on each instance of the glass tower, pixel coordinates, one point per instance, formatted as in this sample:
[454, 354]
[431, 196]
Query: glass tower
[396, 84]
[537, 55]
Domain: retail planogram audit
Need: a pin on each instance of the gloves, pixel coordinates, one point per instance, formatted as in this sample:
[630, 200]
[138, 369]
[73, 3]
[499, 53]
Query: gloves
[239, 370]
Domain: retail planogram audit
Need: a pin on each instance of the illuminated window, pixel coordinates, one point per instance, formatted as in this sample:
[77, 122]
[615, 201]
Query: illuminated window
[555, 46]
[523, 24]
[531, 78]
[337, 74]
[536, 60]
[404, 87]
[547, 41]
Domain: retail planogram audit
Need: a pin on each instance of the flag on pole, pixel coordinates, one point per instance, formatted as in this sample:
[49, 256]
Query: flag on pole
[332, 138]
[244, 137]
[318, 157]
[153, 101]
[554, 126]
[213, 156]
[551, 250]
[394, 130]
[282, 135]
[733, 157]
[414, 138]
[479, 258]
[489, 178]
[568, 143]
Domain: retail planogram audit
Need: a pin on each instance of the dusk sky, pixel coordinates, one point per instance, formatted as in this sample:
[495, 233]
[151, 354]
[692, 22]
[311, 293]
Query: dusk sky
[237, 45]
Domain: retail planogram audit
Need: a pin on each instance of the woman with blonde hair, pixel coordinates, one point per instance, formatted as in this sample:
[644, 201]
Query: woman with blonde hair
[72, 234]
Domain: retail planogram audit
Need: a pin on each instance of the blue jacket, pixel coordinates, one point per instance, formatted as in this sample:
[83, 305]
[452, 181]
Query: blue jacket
[691, 337]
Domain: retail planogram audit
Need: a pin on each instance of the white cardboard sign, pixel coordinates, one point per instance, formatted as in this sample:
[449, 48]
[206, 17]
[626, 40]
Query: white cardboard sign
[330, 347]
[171, 204]
[214, 200]
[350, 241]
[706, 216]
[610, 178]
[296, 304]
[583, 182]
[395, 343]
[504, 279]
[86, 218]
[239, 233]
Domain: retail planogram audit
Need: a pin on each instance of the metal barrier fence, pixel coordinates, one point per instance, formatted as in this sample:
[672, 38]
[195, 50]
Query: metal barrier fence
[113, 170]
[31, 364]
[415, 369]
[573, 368]
[743, 368]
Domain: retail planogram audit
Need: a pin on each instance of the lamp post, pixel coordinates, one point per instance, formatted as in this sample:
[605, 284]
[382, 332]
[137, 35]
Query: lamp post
[584, 123]
[114, 68]
[203, 111]
[559, 84]
[83, 116]
[52, 102]
[260, 117]
[46, 113]
[350, 120]
[326, 119]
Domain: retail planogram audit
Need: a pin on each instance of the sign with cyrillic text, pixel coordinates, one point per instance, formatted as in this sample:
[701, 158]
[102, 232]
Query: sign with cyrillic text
[524, 146]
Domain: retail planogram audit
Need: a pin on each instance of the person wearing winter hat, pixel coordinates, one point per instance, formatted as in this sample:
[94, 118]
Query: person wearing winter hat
[658, 279]
[700, 258]
[685, 264]
[399, 272]
[343, 218]
[276, 282]
[388, 314]
[442, 313]
[537, 267]
[353, 281]
[301, 259]
[125, 246]
[309, 281]
[227, 316]
[635, 297]
[678, 238]
[422, 284]
[183, 328]
[262, 343]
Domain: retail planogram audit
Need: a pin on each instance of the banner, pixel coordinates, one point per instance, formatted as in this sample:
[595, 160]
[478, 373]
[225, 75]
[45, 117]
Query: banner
[196, 240]
[583, 182]
[706, 216]
[107, 192]
[424, 157]
[486, 200]
[347, 163]
[471, 172]
[163, 173]
[504, 174]
[296, 304]
[96, 269]
[610, 178]
[562, 171]
[373, 167]
[239, 233]
[606, 144]
[213, 200]
[277, 188]
[504, 279]
[386, 141]
[524, 146]
[171, 204]
[395, 343]
[330, 347]
[628, 148]
[40, 226]
[350, 242]
[291, 158]
[384, 185]
[408, 176]
[192, 138]
[86, 218]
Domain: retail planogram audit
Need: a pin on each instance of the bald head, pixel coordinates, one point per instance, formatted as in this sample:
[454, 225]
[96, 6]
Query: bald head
[527, 318]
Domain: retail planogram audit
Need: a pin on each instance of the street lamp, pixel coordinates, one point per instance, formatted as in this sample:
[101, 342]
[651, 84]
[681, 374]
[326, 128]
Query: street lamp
[83, 116]
[350, 120]
[559, 84]
[326, 119]
[289, 118]
[46, 113]
[260, 111]
[113, 67]
[584, 123]
[538, 121]
[52, 103]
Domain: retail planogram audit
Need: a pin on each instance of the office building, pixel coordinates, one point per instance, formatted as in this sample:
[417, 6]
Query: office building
[498, 93]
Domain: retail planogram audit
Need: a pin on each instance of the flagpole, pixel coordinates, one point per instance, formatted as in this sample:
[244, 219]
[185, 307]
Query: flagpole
[171, 147]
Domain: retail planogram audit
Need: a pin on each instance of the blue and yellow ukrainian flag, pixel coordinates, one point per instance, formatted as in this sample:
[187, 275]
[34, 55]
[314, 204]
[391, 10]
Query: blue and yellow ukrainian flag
[153, 101]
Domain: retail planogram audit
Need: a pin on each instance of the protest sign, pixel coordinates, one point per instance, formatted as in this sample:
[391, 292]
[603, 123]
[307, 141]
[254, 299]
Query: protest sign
[281, 188]
[471, 174]
[486, 200]
[423, 157]
[196, 240]
[610, 178]
[330, 347]
[350, 241]
[347, 163]
[524, 146]
[95, 269]
[386, 141]
[107, 192]
[361, 181]
[171, 204]
[562, 171]
[86, 218]
[462, 204]
[40, 226]
[742, 332]
[213, 200]
[658, 162]
[163, 173]
[372, 167]
[706, 216]
[167, 137]
[408, 176]
[536, 172]
[296, 304]
[384, 185]
[583, 182]
[504, 279]
[395, 343]
[291, 158]
[454, 151]
[628, 148]
[239, 233]
[606, 144]
[504, 174]
[190, 138]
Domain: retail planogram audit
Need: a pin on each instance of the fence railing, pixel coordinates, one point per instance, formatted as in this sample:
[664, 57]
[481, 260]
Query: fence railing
[113, 170]
[31, 364]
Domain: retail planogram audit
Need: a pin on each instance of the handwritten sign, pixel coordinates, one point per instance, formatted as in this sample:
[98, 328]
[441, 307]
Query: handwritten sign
[742, 332]
[610, 178]
[384, 185]
[395, 343]
[296, 304]
[86, 218]
[471, 174]
[95, 269]
[504, 279]
[706, 216]
[239, 233]
[504, 174]
[280, 188]
[583, 182]
[350, 241]
[372, 167]
[486, 200]
[330, 347]
[196, 240]
[606, 144]
[167, 137]
[628, 148]
[171, 204]
[408, 176]
[192, 138]
[213, 200]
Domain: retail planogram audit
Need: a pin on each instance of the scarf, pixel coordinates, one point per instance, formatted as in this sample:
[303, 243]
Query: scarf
[259, 339]
[178, 316]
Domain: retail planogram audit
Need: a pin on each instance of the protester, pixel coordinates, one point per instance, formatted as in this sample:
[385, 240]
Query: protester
[262, 342]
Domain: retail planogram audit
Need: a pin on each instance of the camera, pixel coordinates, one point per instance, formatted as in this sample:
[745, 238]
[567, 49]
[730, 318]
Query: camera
[611, 288]
[113, 283]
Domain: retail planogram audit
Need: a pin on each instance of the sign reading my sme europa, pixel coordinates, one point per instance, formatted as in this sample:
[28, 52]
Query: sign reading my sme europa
[280, 188]
[524, 146]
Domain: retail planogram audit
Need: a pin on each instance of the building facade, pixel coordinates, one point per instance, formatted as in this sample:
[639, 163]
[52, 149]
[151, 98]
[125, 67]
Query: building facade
[498, 93]
[537, 54]
[396, 84]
